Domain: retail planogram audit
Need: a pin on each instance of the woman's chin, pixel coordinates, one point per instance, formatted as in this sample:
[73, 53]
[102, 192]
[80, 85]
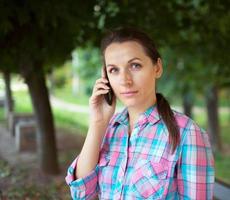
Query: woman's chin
[129, 103]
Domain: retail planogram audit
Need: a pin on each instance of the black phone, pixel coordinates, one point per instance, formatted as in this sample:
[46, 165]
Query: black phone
[108, 96]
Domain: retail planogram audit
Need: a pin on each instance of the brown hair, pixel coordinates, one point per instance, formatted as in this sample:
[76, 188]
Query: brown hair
[132, 34]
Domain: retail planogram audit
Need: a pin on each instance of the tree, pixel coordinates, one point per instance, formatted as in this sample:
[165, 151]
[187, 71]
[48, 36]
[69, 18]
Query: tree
[88, 56]
[35, 35]
[8, 101]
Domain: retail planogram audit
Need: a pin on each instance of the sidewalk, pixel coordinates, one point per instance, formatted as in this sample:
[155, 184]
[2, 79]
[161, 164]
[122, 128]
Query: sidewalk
[85, 109]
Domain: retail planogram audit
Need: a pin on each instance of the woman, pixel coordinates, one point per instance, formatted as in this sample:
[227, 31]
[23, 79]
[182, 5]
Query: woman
[147, 151]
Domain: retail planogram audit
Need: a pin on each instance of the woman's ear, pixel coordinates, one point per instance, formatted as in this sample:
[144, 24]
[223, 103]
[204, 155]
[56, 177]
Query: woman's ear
[159, 68]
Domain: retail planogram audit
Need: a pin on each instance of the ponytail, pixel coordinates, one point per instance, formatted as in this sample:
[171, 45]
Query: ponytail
[168, 117]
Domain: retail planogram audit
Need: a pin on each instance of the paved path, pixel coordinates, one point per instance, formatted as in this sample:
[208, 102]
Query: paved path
[85, 109]
[72, 106]
[221, 192]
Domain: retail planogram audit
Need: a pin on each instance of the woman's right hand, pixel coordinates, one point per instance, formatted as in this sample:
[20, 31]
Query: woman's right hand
[100, 110]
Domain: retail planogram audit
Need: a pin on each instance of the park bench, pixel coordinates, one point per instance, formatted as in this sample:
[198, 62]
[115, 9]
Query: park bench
[14, 118]
[23, 127]
[25, 135]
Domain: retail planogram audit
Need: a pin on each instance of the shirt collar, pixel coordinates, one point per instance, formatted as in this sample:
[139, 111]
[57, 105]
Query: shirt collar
[151, 115]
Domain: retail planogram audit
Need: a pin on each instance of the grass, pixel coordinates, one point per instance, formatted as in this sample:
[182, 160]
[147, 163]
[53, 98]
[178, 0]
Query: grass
[63, 119]
[78, 122]
[67, 95]
[71, 120]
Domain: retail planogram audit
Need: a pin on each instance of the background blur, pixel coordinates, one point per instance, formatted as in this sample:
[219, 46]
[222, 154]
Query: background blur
[50, 59]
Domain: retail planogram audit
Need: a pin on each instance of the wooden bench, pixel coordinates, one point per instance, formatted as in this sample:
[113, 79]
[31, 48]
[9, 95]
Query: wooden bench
[26, 136]
[14, 118]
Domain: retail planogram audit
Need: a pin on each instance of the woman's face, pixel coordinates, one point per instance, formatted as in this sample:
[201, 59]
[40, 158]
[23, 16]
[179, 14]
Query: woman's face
[131, 73]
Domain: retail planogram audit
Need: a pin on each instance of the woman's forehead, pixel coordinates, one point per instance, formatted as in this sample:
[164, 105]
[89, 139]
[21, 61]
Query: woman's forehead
[124, 51]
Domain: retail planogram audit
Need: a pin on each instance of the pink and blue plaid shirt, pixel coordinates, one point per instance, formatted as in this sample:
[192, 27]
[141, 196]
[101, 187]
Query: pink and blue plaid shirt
[142, 166]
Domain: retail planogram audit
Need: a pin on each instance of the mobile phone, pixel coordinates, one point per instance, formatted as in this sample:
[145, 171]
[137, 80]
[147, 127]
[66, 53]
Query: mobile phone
[108, 96]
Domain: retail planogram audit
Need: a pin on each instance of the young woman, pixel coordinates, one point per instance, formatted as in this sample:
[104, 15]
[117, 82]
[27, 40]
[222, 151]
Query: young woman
[147, 151]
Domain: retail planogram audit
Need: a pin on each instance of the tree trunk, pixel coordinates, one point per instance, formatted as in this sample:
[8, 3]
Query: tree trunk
[51, 82]
[213, 117]
[187, 104]
[8, 94]
[47, 151]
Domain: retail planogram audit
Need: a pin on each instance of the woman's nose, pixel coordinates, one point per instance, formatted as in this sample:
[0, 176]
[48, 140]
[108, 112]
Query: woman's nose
[126, 78]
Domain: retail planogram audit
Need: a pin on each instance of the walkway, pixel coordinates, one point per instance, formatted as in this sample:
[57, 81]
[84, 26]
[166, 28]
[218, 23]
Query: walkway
[85, 109]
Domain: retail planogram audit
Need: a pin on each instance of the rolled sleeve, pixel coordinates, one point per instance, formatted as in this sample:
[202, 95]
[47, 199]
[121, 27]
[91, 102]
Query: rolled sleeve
[82, 188]
[196, 166]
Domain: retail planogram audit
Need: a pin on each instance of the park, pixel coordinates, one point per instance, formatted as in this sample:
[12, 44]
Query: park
[50, 58]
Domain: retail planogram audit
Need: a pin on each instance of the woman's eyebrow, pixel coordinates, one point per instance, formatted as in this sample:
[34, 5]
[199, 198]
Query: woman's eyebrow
[134, 59]
[112, 65]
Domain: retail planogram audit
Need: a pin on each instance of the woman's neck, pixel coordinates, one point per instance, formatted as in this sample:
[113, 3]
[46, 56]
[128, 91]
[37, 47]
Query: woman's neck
[134, 112]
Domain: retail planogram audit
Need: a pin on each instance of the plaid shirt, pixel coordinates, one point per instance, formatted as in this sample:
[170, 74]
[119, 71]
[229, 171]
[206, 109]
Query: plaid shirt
[142, 166]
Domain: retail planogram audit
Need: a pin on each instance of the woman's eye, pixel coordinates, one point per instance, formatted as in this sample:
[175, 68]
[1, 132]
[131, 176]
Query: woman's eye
[135, 66]
[113, 70]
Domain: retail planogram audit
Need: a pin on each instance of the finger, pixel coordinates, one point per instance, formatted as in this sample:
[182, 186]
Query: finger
[100, 86]
[102, 80]
[100, 92]
[103, 72]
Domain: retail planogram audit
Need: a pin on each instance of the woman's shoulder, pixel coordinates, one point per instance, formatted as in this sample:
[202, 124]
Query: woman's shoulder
[190, 131]
[186, 122]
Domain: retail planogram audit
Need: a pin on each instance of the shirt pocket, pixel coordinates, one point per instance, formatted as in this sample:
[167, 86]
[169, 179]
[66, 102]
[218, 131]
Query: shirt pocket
[105, 177]
[103, 161]
[149, 180]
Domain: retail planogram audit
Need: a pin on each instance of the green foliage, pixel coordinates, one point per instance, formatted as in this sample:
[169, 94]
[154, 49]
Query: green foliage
[87, 65]
[22, 102]
[61, 76]
[5, 169]
[67, 95]
[41, 31]
[2, 115]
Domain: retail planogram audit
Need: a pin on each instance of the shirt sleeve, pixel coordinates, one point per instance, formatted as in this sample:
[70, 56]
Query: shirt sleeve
[195, 175]
[82, 188]
[88, 187]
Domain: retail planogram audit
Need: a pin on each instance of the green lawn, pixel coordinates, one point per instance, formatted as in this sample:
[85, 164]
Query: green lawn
[64, 119]
[78, 122]
[67, 95]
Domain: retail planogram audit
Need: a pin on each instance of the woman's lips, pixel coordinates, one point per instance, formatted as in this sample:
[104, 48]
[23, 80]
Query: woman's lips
[129, 93]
